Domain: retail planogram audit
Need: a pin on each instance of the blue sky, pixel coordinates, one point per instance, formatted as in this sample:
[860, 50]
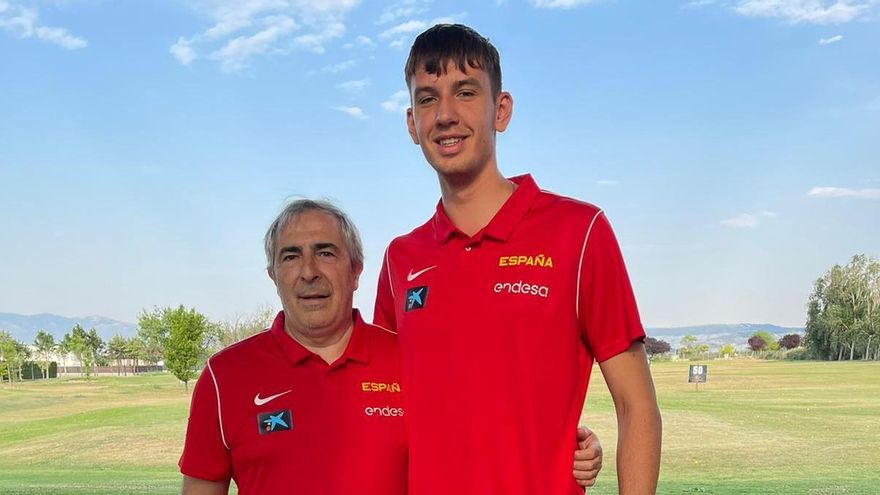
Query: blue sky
[146, 145]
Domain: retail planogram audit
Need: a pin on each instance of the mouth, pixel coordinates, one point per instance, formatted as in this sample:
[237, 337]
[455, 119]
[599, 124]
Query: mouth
[450, 145]
[313, 298]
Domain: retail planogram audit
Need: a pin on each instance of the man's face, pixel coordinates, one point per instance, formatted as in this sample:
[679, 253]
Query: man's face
[454, 118]
[313, 276]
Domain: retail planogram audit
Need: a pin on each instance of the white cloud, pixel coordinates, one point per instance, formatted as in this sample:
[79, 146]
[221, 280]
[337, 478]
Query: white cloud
[354, 112]
[747, 220]
[364, 41]
[341, 66]
[607, 182]
[699, 3]
[399, 42]
[828, 41]
[60, 37]
[243, 29]
[316, 41]
[236, 52]
[24, 23]
[805, 11]
[843, 192]
[183, 51]
[355, 85]
[559, 4]
[411, 26]
[397, 103]
[406, 9]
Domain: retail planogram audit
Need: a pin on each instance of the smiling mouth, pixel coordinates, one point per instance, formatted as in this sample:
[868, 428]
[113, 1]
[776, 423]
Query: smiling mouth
[450, 142]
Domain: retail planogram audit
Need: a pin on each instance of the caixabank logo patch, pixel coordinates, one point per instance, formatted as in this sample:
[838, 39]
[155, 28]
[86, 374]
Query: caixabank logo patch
[273, 422]
[416, 298]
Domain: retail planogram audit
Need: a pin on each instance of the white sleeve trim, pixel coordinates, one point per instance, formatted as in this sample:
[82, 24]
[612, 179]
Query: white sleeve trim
[577, 297]
[383, 328]
[219, 413]
[388, 269]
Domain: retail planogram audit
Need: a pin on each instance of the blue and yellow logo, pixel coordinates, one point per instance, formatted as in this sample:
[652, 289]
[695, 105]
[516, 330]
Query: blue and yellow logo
[273, 422]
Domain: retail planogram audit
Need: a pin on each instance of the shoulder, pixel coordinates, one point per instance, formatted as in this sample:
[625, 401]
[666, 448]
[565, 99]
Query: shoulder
[382, 339]
[243, 351]
[565, 206]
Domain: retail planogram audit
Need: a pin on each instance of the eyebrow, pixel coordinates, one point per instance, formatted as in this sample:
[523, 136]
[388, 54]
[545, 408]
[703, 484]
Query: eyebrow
[470, 81]
[317, 247]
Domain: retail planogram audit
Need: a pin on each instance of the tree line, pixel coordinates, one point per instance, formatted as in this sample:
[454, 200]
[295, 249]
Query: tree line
[843, 313]
[180, 337]
[759, 343]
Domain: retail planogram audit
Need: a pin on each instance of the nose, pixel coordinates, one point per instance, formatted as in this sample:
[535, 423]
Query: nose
[447, 113]
[309, 271]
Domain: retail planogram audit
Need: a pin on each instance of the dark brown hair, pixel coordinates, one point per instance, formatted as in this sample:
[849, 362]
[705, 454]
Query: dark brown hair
[445, 43]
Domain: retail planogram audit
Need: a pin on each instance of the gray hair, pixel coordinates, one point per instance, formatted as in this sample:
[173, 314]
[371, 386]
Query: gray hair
[349, 231]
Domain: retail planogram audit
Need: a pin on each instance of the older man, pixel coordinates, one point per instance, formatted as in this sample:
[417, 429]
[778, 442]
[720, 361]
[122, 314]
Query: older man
[313, 404]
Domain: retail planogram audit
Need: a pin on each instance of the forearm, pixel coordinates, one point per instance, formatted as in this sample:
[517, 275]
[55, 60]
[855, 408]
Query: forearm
[638, 449]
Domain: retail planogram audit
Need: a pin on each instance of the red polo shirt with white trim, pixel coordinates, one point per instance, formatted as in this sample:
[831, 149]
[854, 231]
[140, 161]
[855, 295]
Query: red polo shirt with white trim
[278, 419]
[498, 333]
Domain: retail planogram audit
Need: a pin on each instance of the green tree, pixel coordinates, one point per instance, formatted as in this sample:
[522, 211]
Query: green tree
[136, 350]
[843, 313]
[117, 351]
[45, 344]
[185, 343]
[243, 326]
[13, 354]
[688, 349]
[65, 349]
[85, 346]
[153, 332]
[726, 350]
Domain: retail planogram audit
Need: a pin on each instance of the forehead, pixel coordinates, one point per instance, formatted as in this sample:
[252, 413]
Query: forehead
[311, 227]
[450, 74]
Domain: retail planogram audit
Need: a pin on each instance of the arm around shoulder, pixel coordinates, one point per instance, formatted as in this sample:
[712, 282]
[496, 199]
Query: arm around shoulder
[638, 420]
[195, 486]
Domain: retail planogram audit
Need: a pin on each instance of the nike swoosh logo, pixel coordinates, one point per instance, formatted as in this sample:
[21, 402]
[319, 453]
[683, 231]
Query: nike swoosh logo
[412, 276]
[259, 402]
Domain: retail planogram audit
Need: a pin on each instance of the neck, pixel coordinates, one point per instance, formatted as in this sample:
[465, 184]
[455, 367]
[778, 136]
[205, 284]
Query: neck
[328, 347]
[470, 203]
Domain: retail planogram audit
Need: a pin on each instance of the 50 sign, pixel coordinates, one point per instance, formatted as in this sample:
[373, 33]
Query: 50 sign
[698, 373]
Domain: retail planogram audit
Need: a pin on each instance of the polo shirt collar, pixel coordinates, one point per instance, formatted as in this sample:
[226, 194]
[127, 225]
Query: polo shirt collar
[358, 348]
[504, 221]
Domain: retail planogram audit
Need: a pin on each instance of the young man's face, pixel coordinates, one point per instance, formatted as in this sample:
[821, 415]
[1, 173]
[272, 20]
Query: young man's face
[314, 276]
[454, 118]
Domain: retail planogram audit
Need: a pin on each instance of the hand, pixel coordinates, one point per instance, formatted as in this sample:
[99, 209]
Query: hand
[588, 457]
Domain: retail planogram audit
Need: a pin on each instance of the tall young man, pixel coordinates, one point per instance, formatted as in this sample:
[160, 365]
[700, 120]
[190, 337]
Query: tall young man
[503, 300]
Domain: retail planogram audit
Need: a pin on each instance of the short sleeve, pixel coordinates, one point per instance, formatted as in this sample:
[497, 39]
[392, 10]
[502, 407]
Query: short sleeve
[607, 310]
[383, 314]
[205, 455]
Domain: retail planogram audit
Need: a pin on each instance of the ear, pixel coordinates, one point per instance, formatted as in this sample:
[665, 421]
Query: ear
[503, 111]
[271, 275]
[411, 126]
[357, 276]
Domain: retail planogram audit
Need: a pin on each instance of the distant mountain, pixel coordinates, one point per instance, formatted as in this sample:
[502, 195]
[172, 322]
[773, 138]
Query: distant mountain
[720, 334]
[24, 327]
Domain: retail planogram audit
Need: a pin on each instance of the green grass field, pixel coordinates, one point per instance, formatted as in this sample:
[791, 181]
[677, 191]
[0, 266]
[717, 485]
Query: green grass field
[757, 427]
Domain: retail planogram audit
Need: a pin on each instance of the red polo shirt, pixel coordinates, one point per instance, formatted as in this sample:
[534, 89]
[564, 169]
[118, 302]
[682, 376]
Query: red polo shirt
[498, 333]
[277, 419]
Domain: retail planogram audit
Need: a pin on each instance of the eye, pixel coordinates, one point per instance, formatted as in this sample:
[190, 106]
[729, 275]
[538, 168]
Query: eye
[326, 254]
[427, 100]
[289, 257]
[466, 93]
